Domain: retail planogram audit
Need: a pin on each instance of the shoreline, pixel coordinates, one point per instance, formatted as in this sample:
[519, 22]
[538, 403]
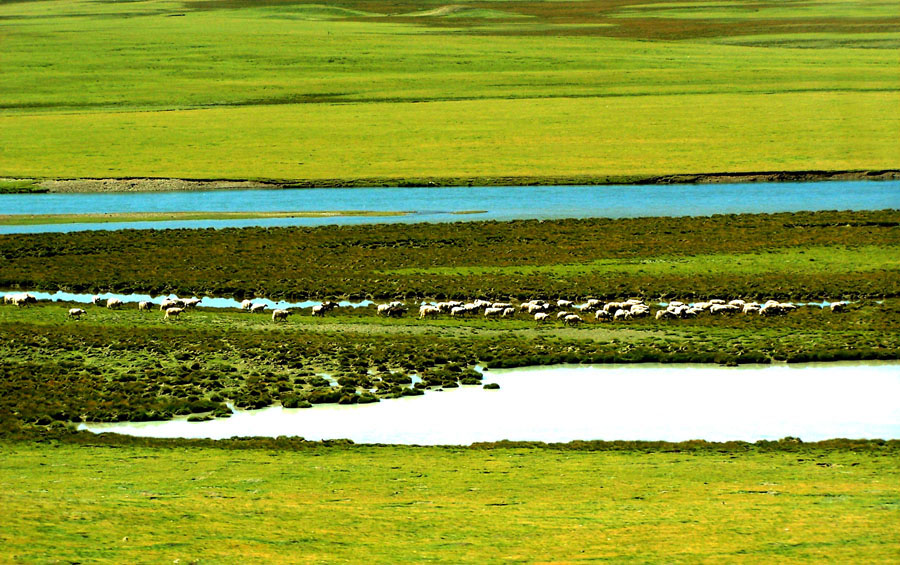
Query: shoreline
[42, 219]
[150, 184]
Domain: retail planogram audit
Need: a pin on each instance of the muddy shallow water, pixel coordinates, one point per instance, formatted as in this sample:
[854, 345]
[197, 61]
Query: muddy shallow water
[628, 402]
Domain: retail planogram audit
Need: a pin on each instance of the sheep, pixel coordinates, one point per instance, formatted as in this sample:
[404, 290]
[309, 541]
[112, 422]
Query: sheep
[428, 311]
[392, 309]
[737, 302]
[95, 300]
[508, 312]
[602, 315]
[501, 305]
[723, 309]
[573, 320]
[144, 305]
[173, 313]
[246, 304]
[662, 314]
[838, 306]
[280, 315]
[76, 313]
[564, 303]
[113, 303]
[190, 302]
[622, 314]
[169, 303]
[319, 310]
[458, 311]
[541, 316]
[8, 298]
[716, 301]
[750, 308]
[257, 308]
[22, 299]
[493, 312]
[561, 315]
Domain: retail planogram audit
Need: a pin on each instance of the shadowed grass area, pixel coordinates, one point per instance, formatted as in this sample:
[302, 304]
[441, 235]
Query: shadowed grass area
[401, 504]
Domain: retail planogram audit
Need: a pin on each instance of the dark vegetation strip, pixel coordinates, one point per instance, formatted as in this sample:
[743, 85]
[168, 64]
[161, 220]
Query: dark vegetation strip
[157, 184]
[56, 435]
[358, 261]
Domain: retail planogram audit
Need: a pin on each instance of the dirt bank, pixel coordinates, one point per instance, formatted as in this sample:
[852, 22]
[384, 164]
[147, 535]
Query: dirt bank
[159, 185]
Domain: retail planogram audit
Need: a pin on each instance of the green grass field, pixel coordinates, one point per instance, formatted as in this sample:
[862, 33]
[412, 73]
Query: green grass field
[135, 504]
[360, 89]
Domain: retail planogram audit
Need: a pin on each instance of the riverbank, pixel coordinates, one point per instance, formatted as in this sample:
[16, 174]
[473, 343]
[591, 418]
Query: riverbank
[93, 185]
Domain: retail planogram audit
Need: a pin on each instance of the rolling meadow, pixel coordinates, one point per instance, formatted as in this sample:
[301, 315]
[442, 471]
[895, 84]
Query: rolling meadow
[154, 93]
[595, 90]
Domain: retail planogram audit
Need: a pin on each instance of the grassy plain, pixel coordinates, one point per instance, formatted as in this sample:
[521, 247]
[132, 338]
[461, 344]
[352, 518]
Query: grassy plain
[191, 504]
[360, 89]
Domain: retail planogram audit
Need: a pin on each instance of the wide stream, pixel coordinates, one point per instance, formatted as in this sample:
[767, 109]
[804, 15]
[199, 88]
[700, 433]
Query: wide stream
[446, 204]
[608, 402]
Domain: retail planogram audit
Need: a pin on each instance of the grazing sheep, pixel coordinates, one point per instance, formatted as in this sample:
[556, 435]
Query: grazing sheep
[563, 314]
[663, 314]
[190, 302]
[169, 303]
[172, 313]
[541, 316]
[509, 312]
[144, 305]
[391, 309]
[622, 314]
[564, 303]
[319, 310]
[428, 311]
[76, 313]
[573, 320]
[838, 306]
[95, 300]
[723, 309]
[246, 304]
[501, 305]
[493, 312]
[113, 303]
[458, 311]
[280, 315]
[602, 315]
[258, 308]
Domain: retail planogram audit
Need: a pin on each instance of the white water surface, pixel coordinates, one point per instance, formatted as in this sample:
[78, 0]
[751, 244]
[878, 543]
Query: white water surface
[812, 401]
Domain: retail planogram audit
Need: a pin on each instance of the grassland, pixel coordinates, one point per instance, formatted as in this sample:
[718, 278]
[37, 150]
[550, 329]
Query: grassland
[114, 503]
[349, 90]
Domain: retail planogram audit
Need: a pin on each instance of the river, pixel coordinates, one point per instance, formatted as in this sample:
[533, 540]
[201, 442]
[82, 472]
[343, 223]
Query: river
[812, 401]
[445, 204]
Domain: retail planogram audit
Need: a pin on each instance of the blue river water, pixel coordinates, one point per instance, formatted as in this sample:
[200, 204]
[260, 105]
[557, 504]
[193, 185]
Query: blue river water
[446, 204]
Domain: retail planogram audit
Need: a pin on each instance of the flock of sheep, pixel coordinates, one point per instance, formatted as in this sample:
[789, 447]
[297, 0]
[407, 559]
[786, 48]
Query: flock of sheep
[565, 310]
[541, 310]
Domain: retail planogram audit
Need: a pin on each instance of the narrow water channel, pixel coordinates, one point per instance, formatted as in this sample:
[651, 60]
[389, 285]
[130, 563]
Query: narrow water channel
[813, 401]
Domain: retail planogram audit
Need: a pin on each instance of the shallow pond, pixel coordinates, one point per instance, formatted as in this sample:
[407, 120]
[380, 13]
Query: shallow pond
[444, 204]
[609, 402]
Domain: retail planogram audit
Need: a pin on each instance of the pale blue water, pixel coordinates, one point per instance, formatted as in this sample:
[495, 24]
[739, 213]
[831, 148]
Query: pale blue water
[207, 301]
[438, 204]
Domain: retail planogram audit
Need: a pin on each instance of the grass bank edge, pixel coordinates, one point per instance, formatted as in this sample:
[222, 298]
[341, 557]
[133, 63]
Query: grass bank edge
[165, 184]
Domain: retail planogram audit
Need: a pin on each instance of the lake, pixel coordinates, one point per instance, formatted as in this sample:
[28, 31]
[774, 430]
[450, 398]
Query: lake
[812, 401]
[445, 204]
